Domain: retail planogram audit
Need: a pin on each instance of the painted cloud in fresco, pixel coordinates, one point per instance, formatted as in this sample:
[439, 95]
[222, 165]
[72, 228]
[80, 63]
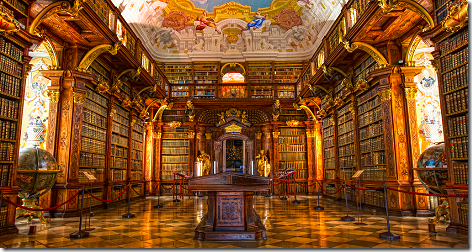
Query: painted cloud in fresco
[200, 1]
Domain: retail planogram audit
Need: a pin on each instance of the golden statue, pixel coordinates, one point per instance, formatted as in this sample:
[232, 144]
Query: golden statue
[222, 117]
[244, 116]
[205, 159]
[262, 161]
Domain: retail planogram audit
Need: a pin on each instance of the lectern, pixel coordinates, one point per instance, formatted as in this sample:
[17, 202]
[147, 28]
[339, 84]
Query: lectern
[231, 215]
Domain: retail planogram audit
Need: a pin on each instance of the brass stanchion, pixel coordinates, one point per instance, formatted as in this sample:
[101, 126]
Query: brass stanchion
[129, 215]
[295, 201]
[283, 190]
[158, 196]
[388, 235]
[318, 207]
[347, 217]
[359, 203]
[80, 234]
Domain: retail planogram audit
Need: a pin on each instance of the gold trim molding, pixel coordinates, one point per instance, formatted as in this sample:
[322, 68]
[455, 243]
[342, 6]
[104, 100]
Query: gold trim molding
[306, 109]
[175, 124]
[145, 113]
[53, 96]
[95, 52]
[362, 85]
[79, 98]
[10, 21]
[385, 95]
[410, 93]
[50, 49]
[346, 82]
[233, 128]
[292, 123]
[160, 111]
[411, 50]
[378, 57]
[53, 8]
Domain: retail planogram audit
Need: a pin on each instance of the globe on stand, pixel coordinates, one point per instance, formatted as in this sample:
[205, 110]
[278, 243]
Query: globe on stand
[432, 173]
[36, 173]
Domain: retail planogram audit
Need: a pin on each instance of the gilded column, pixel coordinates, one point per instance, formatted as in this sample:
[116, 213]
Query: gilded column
[310, 150]
[148, 157]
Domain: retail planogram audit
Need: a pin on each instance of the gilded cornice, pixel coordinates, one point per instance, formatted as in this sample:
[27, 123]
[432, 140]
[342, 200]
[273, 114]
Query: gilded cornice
[53, 96]
[79, 98]
[410, 93]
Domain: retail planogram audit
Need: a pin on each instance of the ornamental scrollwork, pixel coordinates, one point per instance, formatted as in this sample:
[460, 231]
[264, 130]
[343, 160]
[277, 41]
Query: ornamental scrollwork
[385, 95]
[95, 52]
[79, 98]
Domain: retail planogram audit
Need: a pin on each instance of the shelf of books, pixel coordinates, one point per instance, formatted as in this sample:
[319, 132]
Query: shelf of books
[328, 152]
[175, 115]
[200, 92]
[91, 202]
[453, 50]
[259, 72]
[137, 188]
[262, 92]
[292, 154]
[346, 150]
[179, 91]
[287, 72]
[137, 150]
[291, 114]
[174, 152]
[206, 72]
[178, 73]
[94, 134]
[286, 91]
[119, 145]
[3, 213]
[18, 9]
[100, 72]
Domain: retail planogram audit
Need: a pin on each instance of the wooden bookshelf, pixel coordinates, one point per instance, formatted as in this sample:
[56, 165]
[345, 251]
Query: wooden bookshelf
[291, 114]
[329, 164]
[203, 92]
[137, 150]
[119, 145]
[287, 72]
[206, 72]
[345, 137]
[261, 92]
[293, 154]
[178, 73]
[259, 72]
[174, 152]
[286, 91]
[180, 91]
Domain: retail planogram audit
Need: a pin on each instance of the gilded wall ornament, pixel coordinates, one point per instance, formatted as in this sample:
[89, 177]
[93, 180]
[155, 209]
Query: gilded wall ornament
[233, 128]
[191, 134]
[53, 96]
[258, 135]
[175, 124]
[362, 85]
[310, 134]
[199, 135]
[267, 135]
[156, 135]
[53, 8]
[292, 123]
[95, 52]
[457, 17]
[385, 95]
[410, 93]
[378, 57]
[102, 87]
[133, 122]
[232, 38]
[112, 111]
[275, 134]
[79, 98]
[208, 136]
[8, 24]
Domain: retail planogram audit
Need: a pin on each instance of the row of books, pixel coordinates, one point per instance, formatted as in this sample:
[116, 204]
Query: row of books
[453, 42]
[328, 152]
[347, 161]
[370, 116]
[118, 162]
[368, 105]
[119, 175]
[293, 165]
[331, 188]
[121, 119]
[284, 118]
[90, 201]
[373, 130]
[98, 76]
[138, 126]
[346, 138]
[286, 94]
[292, 156]
[137, 145]
[292, 148]
[291, 131]
[137, 189]
[10, 66]
[204, 93]
[175, 159]
[180, 93]
[8, 108]
[94, 131]
[374, 198]
[11, 49]
[457, 101]
[329, 131]
[174, 167]
[374, 173]
[181, 142]
[373, 158]
[6, 151]
[5, 173]
[365, 64]
[461, 173]
[122, 112]
[19, 5]
[116, 191]
[291, 139]
[136, 175]
[329, 163]
[91, 105]
[330, 174]
[442, 12]
[94, 118]
[458, 125]
[98, 173]
[95, 97]
[136, 165]
[459, 147]
[345, 127]
[372, 144]
[7, 130]
[3, 215]
[93, 145]
[344, 115]
[174, 151]
[454, 59]
[91, 159]
[117, 139]
[168, 174]
[346, 150]
[119, 151]
[120, 128]
[10, 85]
[365, 73]
[346, 174]
[367, 95]
[456, 78]
[337, 89]
[300, 174]
[463, 208]
[326, 122]
[174, 135]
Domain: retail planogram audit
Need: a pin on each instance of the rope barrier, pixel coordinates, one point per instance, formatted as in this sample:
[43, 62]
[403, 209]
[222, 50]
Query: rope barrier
[431, 194]
[43, 209]
[95, 197]
[304, 185]
[144, 196]
[276, 184]
[329, 192]
[169, 187]
[364, 188]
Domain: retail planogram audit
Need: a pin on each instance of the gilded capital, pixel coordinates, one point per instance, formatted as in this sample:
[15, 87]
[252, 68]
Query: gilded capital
[275, 134]
[199, 135]
[267, 135]
[156, 135]
[133, 122]
[385, 95]
[53, 96]
[191, 134]
[258, 135]
[79, 98]
[208, 136]
[310, 134]
[410, 93]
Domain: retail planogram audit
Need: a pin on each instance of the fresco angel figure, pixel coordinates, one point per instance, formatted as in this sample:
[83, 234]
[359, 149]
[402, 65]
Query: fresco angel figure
[205, 21]
[257, 21]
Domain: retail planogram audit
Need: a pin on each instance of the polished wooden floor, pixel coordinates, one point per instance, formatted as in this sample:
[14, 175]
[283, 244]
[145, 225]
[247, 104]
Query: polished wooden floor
[288, 226]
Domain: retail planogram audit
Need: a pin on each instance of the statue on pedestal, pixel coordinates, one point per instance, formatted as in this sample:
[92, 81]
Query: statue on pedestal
[205, 159]
[262, 163]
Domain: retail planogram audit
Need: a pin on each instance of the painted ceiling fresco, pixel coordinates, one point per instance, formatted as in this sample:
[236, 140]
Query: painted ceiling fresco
[217, 30]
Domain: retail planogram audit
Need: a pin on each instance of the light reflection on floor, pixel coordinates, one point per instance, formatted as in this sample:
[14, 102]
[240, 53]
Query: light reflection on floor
[288, 226]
